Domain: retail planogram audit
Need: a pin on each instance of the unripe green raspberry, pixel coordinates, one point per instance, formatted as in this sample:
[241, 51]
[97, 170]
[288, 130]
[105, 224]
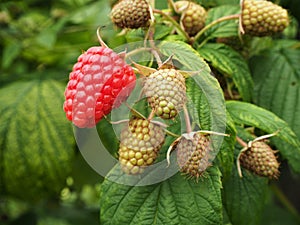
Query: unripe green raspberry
[193, 16]
[261, 160]
[131, 14]
[193, 155]
[166, 92]
[263, 18]
[139, 145]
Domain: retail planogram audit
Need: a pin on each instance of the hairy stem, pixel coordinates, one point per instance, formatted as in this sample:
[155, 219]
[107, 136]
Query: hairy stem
[207, 27]
[187, 120]
[176, 25]
[241, 142]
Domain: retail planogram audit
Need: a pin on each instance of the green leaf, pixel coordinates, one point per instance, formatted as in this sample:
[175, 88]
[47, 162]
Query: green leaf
[11, 51]
[36, 139]
[252, 115]
[227, 28]
[47, 38]
[230, 62]
[225, 157]
[185, 54]
[161, 31]
[275, 214]
[244, 198]
[276, 75]
[198, 105]
[173, 201]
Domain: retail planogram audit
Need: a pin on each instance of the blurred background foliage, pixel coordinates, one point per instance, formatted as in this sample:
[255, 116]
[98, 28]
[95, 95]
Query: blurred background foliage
[41, 40]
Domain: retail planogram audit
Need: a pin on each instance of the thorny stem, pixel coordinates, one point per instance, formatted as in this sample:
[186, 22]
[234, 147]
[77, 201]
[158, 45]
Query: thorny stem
[187, 119]
[153, 48]
[285, 201]
[170, 19]
[222, 19]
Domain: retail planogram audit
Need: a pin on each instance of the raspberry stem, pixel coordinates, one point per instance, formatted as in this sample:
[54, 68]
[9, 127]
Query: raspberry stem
[238, 165]
[153, 47]
[152, 114]
[135, 112]
[187, 120]
[102, 43]
[266, 136]
[222, 19]
[241, 142]
[176, 25]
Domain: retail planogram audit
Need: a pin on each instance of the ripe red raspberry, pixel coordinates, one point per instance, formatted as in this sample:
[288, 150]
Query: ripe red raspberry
[99, 82]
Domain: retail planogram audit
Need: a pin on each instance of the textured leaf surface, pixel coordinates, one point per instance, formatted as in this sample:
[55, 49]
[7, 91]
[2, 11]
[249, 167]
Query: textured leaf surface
[185, 54]
[35, 138]
[276, 75]
[225, 157]
[244, 198]
[173, 201]
[231, 63]
[227, 28]
[252, 115]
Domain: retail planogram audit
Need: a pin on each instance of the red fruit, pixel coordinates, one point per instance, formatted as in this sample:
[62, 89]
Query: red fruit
[100, 81]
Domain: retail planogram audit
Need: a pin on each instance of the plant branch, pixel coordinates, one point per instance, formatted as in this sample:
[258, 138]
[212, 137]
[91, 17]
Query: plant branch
[241, 142]
[170, 19]
[207, 27]
[187, 120]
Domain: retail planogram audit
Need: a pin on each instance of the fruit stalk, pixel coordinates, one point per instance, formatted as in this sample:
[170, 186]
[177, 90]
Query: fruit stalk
[170, 19]
[187, 120]
[222, 19]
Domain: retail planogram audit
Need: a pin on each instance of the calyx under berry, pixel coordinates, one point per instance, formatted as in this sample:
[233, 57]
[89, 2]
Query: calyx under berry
[194, 152]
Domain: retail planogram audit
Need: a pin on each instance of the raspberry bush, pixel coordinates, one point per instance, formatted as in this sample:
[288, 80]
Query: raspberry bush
[183, 112]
